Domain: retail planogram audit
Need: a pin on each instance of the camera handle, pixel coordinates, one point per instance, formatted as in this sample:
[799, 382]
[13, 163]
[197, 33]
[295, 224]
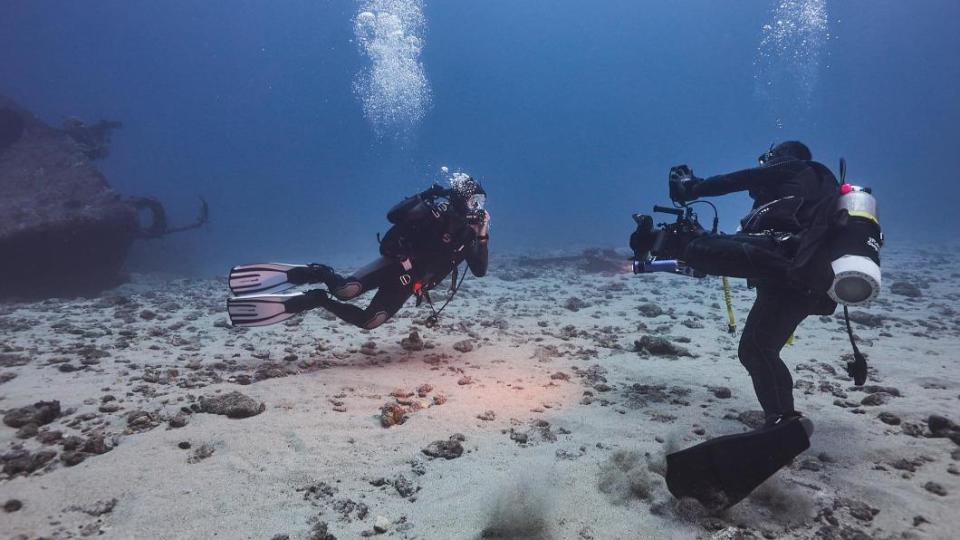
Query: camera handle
[673, 211]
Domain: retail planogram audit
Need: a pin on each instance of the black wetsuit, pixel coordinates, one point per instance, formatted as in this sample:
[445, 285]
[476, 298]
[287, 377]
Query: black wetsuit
[429, 238]
[792, 200]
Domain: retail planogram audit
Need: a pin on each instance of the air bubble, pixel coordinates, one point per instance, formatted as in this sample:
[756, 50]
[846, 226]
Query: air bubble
[393, 88]
[788, 58]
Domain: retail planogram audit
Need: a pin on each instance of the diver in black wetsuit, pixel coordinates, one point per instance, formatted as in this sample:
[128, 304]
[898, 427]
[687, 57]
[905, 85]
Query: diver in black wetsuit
[432, 233]
[777, 250]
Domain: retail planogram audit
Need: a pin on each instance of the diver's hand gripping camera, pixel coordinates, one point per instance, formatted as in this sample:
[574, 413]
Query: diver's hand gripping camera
[476, 217]
[660, 249]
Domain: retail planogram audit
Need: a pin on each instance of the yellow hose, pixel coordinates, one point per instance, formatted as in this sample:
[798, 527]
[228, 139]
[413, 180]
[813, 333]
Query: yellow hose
[731, 318]
[728, 299]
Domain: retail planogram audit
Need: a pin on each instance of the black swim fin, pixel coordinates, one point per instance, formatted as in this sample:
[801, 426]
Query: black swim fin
[721, 472]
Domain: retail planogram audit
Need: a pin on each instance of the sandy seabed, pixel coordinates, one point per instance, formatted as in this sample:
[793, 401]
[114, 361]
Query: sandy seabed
[530, 412]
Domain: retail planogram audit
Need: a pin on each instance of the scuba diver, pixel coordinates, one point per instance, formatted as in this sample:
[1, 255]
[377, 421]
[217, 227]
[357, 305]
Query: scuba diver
[807, 244]
[776, 250]
[432, 233]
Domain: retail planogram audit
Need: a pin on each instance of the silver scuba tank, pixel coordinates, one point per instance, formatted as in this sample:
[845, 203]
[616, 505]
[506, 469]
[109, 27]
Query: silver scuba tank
[855, 247]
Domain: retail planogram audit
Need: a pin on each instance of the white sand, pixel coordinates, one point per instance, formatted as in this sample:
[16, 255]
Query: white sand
[252, 485]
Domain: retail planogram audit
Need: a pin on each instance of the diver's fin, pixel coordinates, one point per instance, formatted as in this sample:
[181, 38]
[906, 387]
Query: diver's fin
[721, 472]
[266, 309]
[261, 278]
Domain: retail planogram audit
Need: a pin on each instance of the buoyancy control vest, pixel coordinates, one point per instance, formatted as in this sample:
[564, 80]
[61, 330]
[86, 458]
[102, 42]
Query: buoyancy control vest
[430, 236]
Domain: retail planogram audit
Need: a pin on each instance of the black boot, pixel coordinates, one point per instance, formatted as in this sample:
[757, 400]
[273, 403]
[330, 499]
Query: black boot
[784, 418]
[311, 299]
[312, 273]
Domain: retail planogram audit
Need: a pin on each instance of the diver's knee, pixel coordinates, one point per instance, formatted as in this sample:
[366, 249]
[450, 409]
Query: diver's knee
[749, 353]
[378, 318]
[349, 290]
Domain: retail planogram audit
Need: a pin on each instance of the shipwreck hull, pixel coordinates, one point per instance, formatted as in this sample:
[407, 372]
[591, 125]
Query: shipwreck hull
[63, 230]
[80, 258]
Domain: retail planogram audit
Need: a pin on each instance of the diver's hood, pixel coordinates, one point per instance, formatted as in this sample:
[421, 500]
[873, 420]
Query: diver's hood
[771, 161]
[465, 186]
[466, 192]
[785, 151]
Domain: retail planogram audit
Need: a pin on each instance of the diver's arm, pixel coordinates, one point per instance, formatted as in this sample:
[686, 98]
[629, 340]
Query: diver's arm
[414, 208]
[477, 254]
[477, 257]
[722, 184]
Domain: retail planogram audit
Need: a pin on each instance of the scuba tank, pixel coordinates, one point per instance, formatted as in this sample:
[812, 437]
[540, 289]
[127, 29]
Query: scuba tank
[855, 247]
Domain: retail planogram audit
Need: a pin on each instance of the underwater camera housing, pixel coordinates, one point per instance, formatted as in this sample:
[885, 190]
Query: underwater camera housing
[659, 249]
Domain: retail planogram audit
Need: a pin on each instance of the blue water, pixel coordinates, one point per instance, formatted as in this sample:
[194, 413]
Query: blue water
[570, 112]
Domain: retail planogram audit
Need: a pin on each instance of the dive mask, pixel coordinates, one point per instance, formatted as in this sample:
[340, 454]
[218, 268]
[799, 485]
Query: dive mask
[476, 201]
[766, 156]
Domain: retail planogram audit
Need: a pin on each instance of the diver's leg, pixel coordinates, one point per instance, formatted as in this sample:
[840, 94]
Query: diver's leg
[772, 320]
[739, 255]
[364, 279]
[387, 301]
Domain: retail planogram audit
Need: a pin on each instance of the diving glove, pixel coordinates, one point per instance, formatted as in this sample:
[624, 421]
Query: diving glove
[682, 184]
